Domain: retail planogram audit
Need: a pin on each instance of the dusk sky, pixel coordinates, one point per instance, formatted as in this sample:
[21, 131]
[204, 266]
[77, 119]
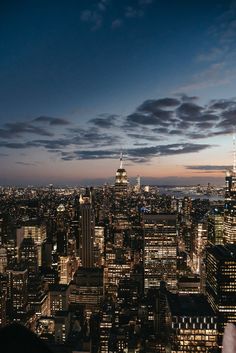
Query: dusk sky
[81, 80]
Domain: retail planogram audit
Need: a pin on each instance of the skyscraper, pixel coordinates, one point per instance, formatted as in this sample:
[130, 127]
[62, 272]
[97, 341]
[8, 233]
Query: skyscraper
[28, 255]
[230, 204]
[86, 239]
[36, 230]
[18, 288]
[160, 250]
[221, 282]
[121, 182]
[215, 226]
[61, 232]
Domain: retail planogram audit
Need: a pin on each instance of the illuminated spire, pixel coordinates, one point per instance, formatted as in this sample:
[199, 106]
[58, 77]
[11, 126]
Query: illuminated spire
[234, 149]
[121, 160]
[81, 200]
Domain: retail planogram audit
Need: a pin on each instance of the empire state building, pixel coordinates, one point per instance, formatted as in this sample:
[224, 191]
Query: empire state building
[121, 183]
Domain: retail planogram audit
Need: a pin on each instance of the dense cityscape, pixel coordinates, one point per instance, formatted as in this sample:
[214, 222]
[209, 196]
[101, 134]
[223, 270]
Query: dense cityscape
[120, 268]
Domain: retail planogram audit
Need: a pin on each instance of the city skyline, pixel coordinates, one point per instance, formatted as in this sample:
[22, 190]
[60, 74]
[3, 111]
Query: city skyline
[82, 82]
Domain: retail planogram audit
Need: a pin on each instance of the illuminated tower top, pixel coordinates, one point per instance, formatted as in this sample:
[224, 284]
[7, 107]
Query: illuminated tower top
[121, 175]
[230, 178]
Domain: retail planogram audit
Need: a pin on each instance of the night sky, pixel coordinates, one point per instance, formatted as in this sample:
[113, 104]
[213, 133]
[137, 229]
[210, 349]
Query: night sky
[82, 80]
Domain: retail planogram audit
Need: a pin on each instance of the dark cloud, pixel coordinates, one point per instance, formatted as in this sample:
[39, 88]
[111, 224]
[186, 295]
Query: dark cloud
[176, 132]
[183, 125]
[90, 154]
[204, 125]
[167, 150]
[25, 163]
[143, 137]
[161, 130]
[153, 105]
[138, 118]
[229, 118]
[221, 104]
[80, 137]
[105, 121]
[18, 145]
[140, 154]
[189, 111]
[51, 121]
[208, 167]
[17, 129]
[185, 98]
[208, 117]
[184, 118]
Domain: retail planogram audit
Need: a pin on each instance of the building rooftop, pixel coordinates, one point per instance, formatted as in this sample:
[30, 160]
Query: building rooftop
[189, 305]
[224, 252]
[58, 287]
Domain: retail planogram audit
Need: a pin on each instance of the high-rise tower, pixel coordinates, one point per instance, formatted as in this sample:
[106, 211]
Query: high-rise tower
[87, 226]
[121, 182]
[221, 282]
[160, 250]
[230, 203]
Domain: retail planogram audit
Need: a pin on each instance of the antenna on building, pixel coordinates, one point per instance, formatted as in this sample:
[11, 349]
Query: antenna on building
[121, 160]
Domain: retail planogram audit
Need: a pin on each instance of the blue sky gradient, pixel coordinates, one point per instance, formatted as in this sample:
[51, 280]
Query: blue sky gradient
[72, 76]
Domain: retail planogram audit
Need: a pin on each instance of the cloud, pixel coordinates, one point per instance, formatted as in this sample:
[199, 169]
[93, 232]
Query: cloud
[117, 23]
[17, 129]
[18, 145]
[26, 163]
[97, 14]
[208, 167]
[189, 110]
[94, 18]
[168, 119]
[214, 75]
[212, 55]
[21, 128]
[131, 12]
[221, 104]
[143, 137]
[102, 5]
[186, 98]
[137, 155]
[138, 118]
[154, 105]
[51, 121]
[105, 121]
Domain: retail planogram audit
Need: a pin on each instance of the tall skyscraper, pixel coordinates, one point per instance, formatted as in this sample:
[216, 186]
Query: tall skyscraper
[28, 254]
[87, 229]
[230, 204]
[61, 230]
[18, 288]
[160, 250]
[215, 226]
[121, 182]
[36, 230]
[221, 282]
[3, 259]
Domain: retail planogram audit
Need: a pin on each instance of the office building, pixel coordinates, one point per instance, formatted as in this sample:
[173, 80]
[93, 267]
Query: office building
[160, 250]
